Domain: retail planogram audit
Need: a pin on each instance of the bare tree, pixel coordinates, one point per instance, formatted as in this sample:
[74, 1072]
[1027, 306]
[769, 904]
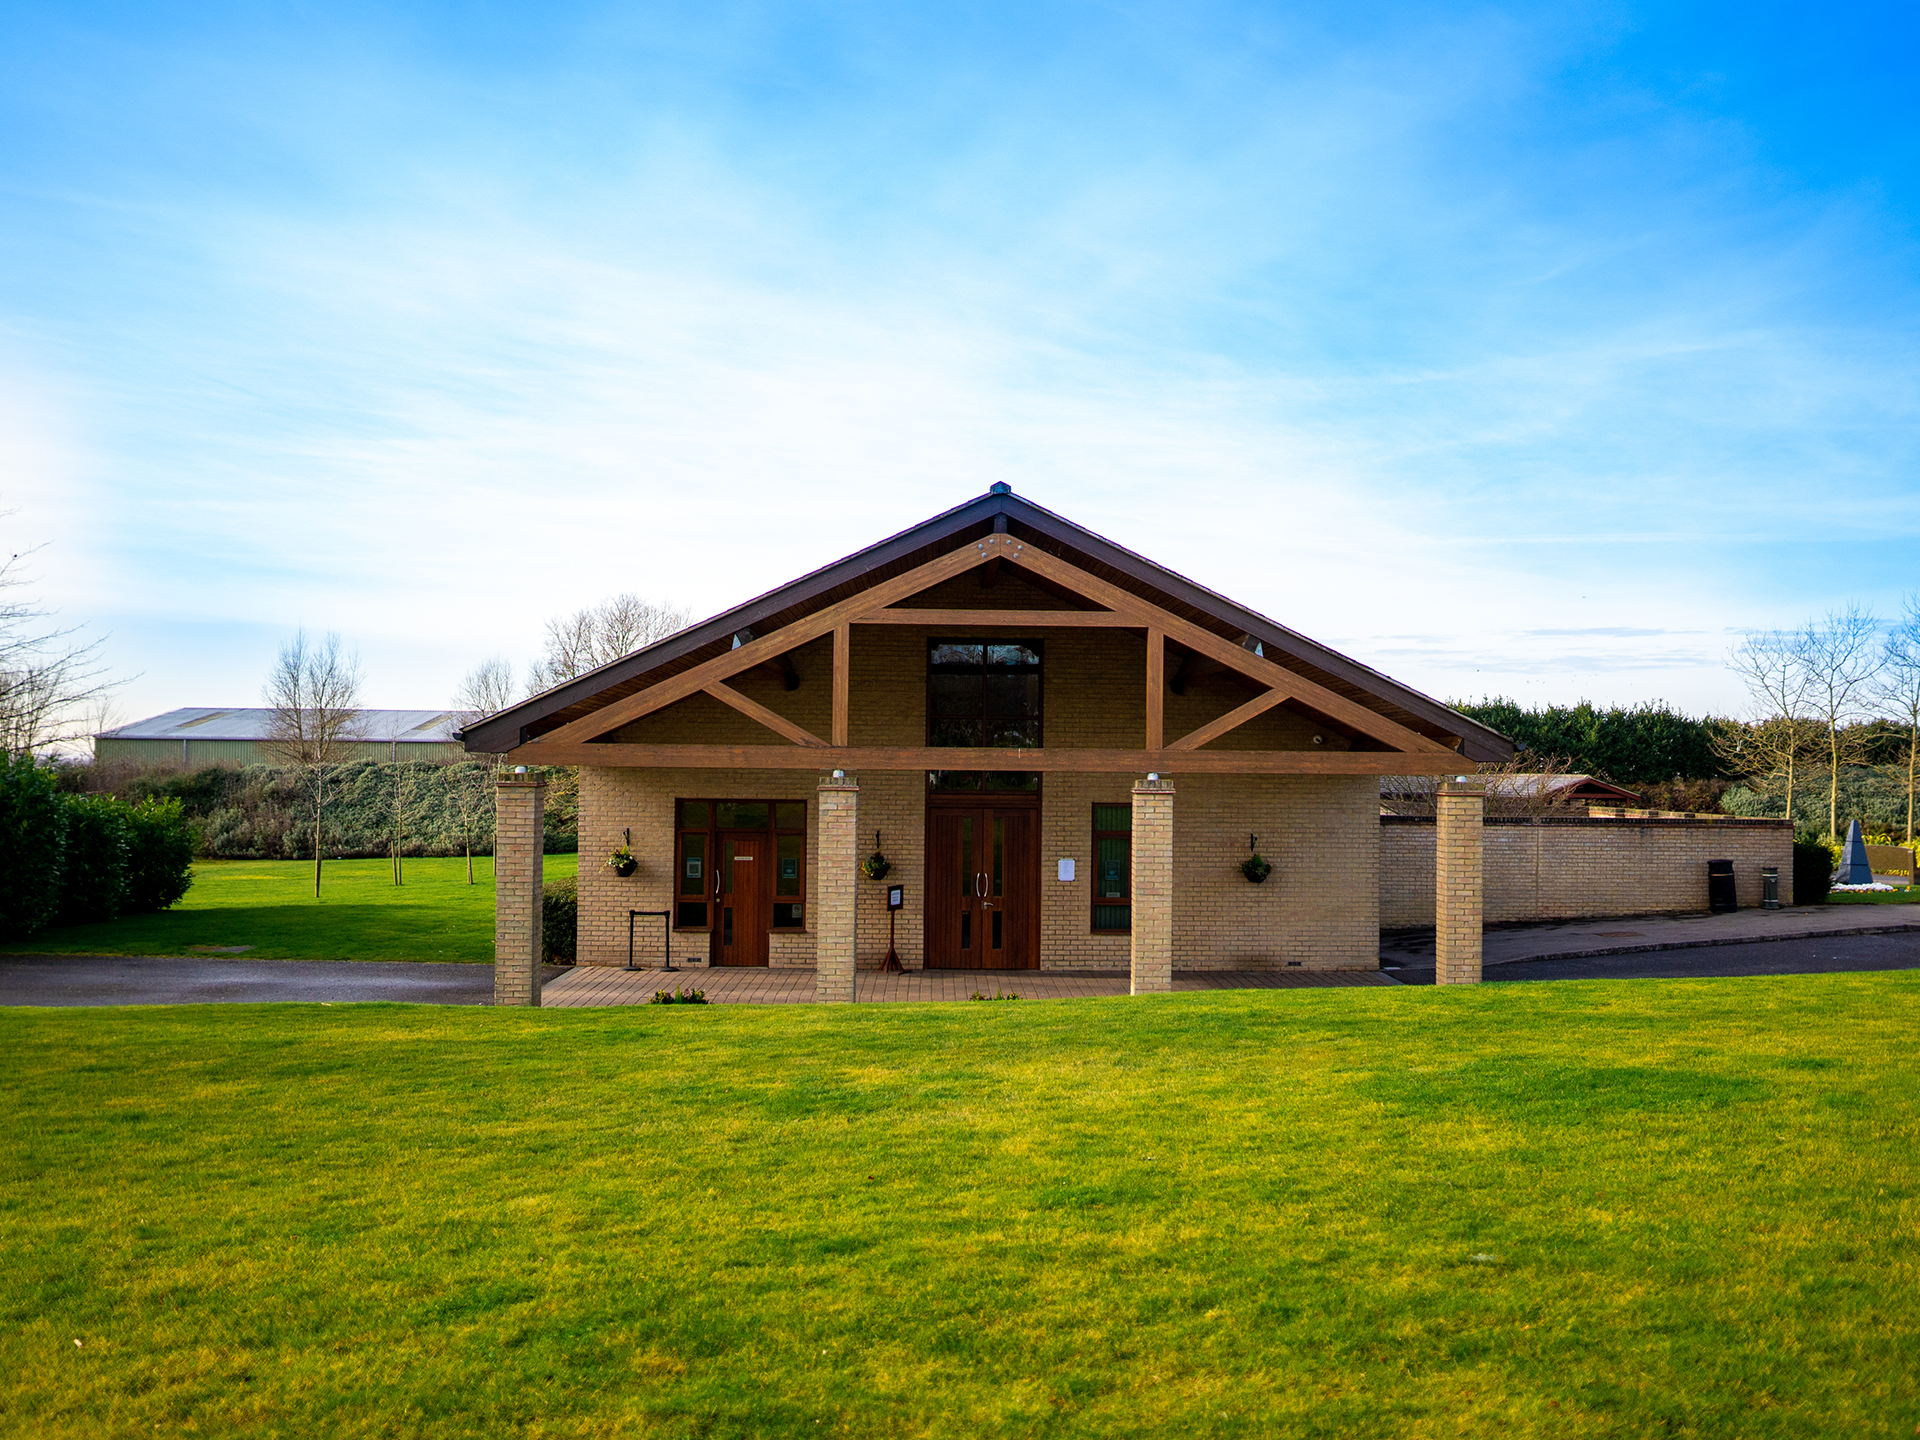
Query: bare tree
[601, 634]
[470, 787]
[1769, 750]
[313, 692]
[1899, 688]
[1842, 657]
[50, 679]
[487, 689]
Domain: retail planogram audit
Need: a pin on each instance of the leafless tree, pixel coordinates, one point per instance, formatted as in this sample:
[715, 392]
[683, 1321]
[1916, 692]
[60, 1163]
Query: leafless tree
[1899, 687]
[470, 787]
[50, 679]
[1776, 671]
[601, 634]
[1842, 655]
[313, 692]
[487, 689]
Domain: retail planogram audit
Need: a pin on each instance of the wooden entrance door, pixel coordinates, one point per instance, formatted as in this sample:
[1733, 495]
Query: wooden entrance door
[743, 900]
[983, 888]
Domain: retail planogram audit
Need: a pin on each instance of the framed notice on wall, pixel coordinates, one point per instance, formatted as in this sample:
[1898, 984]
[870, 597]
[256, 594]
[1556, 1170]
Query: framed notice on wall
[896, 896]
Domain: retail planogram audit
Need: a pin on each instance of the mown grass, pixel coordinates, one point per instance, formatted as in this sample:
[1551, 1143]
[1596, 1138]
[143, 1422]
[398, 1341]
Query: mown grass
[1576, 1209]
[269, 905]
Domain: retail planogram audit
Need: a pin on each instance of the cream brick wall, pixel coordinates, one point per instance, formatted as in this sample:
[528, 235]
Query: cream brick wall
[518, 869]
[1151, 954]
[1571, 869]
[836, 905]
[1458, 892]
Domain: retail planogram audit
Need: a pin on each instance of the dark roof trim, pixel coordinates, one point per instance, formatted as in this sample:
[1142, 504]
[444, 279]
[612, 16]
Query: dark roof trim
[503, 731]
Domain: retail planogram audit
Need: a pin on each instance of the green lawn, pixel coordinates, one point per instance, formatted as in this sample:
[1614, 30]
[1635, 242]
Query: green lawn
[269, 904]
[1683, 1208]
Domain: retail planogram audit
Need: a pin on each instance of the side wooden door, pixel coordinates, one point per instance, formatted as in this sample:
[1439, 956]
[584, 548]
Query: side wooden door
[743, 901]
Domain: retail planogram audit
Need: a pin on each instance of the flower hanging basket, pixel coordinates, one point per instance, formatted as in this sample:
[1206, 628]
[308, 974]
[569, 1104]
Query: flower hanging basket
[1256, 868]
[876, 866]
[622, 862]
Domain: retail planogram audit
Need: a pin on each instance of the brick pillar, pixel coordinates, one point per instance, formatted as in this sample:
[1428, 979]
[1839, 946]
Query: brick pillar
[836, 889]
[519, 834]
[1152, 885]
[1459, 807]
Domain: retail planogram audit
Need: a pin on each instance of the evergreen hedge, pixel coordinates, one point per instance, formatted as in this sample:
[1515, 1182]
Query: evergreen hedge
[33, 845]
[1629, 745]
[93, 876]
[265, 812]
[67, 859]
[560, 920]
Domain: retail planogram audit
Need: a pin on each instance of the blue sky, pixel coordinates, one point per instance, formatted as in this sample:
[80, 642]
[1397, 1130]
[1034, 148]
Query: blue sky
[1525, 350]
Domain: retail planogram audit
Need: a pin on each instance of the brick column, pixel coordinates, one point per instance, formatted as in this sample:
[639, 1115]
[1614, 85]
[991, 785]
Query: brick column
[1459, 807]
[1152, 885]
[519, 835]
[836, 889]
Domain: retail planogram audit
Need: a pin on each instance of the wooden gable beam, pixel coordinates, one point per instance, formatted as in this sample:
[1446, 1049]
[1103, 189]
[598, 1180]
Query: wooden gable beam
[1295, 687]
[1232, 720]
[1004, 619]
[766, 647]
[754, 710]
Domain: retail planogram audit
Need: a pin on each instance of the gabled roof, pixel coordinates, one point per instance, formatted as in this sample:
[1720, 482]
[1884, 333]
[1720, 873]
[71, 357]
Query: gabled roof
[405, 727]
[1035, 526]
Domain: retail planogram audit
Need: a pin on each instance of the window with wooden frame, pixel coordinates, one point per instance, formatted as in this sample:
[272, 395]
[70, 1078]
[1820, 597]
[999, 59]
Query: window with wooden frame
[699, 826]
[1112, 869]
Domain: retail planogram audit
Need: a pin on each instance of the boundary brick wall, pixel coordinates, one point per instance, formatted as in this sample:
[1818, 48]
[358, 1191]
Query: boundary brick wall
[1576, 868]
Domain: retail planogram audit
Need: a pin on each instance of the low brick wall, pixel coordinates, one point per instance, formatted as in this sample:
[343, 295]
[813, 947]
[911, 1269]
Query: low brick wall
[1566, 869]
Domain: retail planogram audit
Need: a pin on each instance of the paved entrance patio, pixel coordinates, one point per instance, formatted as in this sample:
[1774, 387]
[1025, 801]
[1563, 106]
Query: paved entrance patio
[611, 985]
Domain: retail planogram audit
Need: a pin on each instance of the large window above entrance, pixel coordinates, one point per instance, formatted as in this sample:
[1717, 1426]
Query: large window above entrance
[984, 693]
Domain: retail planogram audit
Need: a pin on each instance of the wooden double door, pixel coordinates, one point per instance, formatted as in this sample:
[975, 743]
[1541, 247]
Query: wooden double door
[983, 886]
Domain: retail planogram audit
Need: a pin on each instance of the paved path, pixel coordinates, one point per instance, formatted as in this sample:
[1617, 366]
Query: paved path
[164, 980]
[1585, 938]
[1896, 950]
[612, 985]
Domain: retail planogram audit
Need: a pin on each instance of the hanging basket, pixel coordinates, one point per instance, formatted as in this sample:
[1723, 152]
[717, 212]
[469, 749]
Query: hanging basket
[622, 862]
[876, 866]
[1256, 869]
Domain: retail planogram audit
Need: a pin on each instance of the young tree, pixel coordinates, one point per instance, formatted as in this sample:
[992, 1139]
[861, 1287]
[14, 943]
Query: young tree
[313, 692]
[1842, 658]
[470, 787]
[601, 634]
[49, 678]
[1773, 667]
[1899, 689]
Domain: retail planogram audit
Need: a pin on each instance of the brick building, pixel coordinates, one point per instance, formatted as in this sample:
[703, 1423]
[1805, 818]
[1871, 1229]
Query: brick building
[1064, 752]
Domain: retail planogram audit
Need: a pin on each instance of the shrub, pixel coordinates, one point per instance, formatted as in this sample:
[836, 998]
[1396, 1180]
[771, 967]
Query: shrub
[559, 921]
[33, 842]
[160, 863]
[93, 876]
[1813, 866]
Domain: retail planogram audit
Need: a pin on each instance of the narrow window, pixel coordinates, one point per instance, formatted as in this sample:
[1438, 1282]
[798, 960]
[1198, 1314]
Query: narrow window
[1112, 869]
[693, 866]
[790, 865]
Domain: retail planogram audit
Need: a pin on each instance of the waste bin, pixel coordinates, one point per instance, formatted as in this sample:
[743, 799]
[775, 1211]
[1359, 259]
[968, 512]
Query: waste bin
[1770, 887]
[1720, 892]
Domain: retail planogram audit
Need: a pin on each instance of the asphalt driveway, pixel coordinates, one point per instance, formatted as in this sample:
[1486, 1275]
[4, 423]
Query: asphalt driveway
[1819, 956]
[161, 980]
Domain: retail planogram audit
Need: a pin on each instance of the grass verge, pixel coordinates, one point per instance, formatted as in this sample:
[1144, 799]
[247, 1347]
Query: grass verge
[1572, 1209]
[269, 905]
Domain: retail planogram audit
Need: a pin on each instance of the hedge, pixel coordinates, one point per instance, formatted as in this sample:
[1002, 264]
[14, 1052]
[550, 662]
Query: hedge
[93, 877]
[72, 858]
[560, 920]
[265, 812]
[33, 846]
[1629, 745]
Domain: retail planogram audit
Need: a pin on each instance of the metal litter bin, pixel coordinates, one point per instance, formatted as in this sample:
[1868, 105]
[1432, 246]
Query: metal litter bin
[1720, 891]
[1770, 887]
